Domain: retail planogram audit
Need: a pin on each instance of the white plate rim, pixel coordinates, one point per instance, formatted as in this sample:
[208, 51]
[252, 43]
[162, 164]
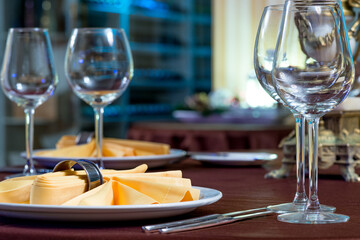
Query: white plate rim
[227, 160]
[208, 195]
[174, 153]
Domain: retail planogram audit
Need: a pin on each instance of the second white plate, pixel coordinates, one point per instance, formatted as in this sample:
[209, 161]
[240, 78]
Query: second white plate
[119, 162]
[235, 158]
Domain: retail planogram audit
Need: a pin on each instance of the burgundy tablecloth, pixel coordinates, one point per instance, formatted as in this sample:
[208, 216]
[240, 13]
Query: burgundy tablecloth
[242, 187]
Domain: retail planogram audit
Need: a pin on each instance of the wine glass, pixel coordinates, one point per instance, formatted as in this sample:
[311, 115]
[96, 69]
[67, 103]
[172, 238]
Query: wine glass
[307, 74]
[28, 77]
[263, 61]
[265, 44]
[99, 68]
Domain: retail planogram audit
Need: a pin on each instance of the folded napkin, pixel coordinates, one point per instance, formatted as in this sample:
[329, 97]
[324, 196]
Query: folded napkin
[112, 147]
[125, 187]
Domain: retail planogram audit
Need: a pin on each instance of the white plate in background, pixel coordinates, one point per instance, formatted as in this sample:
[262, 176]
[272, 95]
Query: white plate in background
[235, 158]
[153, 161]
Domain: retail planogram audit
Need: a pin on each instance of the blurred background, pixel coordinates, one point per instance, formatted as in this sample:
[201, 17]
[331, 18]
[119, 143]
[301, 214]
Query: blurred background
[194, 85]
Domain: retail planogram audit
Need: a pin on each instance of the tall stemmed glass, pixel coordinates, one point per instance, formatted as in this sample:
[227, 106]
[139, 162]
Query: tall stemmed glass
[28, 77]
[309, 61]
[265, 44]
[99, 68]
[263, 61]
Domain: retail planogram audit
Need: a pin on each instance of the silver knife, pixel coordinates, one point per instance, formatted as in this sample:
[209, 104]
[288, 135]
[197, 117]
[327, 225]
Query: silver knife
[213, 222]
[157, 227]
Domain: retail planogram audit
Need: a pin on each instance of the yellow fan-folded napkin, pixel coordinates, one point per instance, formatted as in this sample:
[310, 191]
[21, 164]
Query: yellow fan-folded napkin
[126, 187]
[112, 147]
[80, 151]
[16, 190]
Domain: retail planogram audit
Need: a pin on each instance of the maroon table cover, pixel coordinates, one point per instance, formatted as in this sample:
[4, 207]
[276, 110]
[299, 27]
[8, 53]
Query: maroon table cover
[242, 188]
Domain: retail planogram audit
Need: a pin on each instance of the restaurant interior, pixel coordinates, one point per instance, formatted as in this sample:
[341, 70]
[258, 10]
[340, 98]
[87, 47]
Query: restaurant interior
[140, 118]
[187, 82]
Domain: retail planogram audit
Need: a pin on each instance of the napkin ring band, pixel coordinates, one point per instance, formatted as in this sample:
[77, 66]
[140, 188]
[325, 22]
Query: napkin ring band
[92, 171]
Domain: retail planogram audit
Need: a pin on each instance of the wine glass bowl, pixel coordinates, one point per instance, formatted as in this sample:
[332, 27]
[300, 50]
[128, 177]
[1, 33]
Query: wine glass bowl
[98, 65]
[28, 76]
[99, 68]
[264, 50]
[311, 83]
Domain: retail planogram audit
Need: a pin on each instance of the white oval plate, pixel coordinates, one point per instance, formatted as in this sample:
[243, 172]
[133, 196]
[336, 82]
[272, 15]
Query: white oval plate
[235, 158]
[119, 162]
[107, 213]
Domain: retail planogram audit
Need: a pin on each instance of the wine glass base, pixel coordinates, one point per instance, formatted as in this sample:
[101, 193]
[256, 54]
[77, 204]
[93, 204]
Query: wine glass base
[286, 207]
[292, 207]
[326, 208]
[313, 218]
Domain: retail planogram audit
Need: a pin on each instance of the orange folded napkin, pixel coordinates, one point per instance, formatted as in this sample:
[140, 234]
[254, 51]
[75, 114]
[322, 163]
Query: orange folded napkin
[112, 147]
[126, 187]
[16, 190]
[80, 151]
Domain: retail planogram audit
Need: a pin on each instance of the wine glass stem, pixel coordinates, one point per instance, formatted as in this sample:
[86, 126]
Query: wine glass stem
[99, 134]
[29, 168]
[313, 202]
[300, 196]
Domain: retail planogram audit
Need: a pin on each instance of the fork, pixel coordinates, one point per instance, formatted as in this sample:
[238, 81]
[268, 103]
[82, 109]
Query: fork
[84, 137]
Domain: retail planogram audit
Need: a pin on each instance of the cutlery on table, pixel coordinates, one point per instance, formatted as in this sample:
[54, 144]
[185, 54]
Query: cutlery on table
[205, 221]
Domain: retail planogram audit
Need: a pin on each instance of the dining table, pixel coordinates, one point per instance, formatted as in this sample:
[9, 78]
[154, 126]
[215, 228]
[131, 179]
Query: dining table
[243, 187]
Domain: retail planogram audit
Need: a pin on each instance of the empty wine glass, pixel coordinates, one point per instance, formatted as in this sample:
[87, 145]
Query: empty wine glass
[263, 62]
[308, 75]
[99, 68]
[28, 77]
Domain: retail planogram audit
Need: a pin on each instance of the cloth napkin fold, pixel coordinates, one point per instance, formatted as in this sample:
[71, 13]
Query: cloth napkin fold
[112, 147]
[124, 187]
